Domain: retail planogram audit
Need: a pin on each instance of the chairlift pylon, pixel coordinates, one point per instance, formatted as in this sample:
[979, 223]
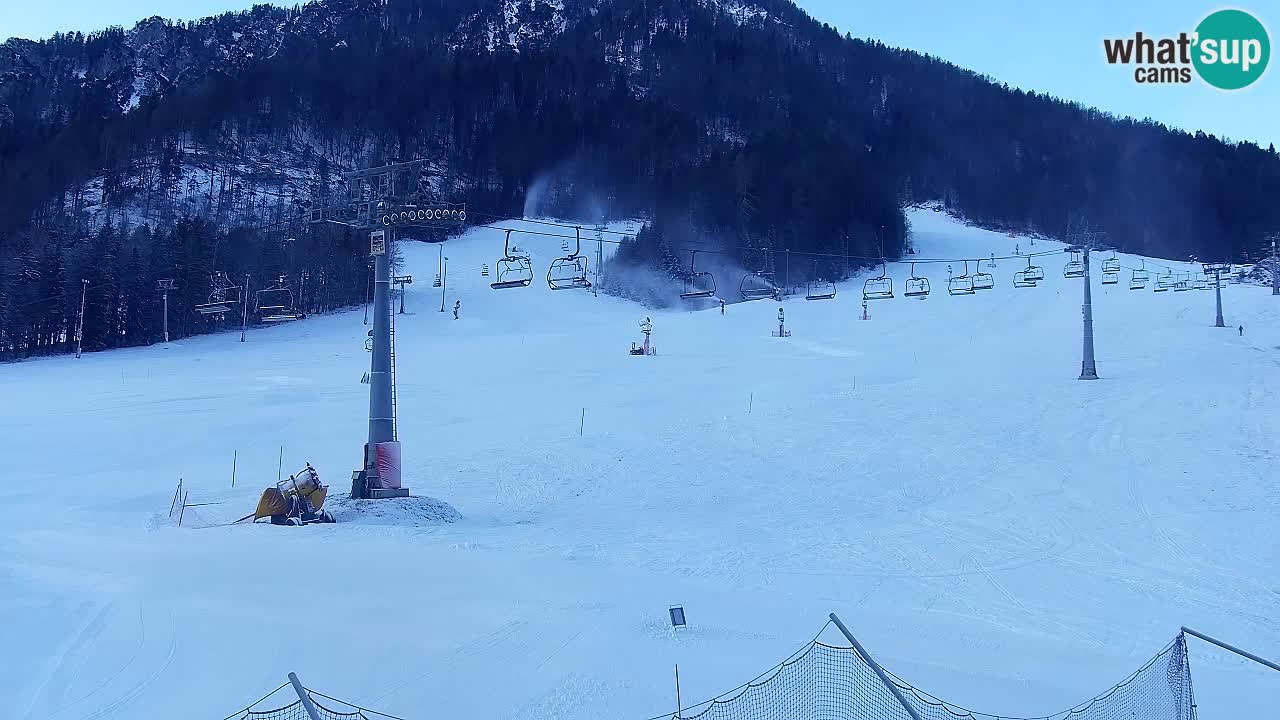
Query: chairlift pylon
[917, 287]
[569, 272]
[878, 288]
[960, 284]
[514, 270]
[697, 284]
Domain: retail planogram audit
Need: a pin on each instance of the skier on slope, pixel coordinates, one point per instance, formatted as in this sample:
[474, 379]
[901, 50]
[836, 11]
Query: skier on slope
[456, 306]
[1241, 329]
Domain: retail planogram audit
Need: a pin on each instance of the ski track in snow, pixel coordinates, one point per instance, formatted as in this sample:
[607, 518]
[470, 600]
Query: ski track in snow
[995, 531]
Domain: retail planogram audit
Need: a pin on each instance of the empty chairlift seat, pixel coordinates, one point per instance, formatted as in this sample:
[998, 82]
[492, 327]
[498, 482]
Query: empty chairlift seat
[1138, 279]
[514, 270]
[878, 288]
[1074, 267]
[570, 271]
[982, 280]
[757, 286]
[916, 287]
[960, 284]
[819, 290]
[223, 296]
[697, 284]
[277, 303]
[1028, 277]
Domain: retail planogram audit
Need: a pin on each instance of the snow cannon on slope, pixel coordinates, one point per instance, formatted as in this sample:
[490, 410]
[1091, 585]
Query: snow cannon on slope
[296, 501]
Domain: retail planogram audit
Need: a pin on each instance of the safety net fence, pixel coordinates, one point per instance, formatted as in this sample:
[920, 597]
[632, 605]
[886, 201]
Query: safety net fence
[827, 682]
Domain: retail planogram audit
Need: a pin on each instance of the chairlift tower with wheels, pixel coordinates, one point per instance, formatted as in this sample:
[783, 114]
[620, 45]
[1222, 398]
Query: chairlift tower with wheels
[1083, 244]
[380, 201]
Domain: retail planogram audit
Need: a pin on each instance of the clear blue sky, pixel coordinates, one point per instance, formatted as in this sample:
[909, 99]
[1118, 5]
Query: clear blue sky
[1052, 46]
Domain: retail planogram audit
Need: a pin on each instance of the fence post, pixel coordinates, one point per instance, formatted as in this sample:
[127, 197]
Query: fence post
[176, 493]
[307, 705]
[875, 667]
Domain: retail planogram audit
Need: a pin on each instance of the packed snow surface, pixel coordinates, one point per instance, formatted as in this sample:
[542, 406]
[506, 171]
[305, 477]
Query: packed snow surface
[994, 530]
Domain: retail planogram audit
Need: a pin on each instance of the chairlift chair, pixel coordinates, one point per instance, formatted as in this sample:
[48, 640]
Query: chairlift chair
[1138, 279]
[818, 289]
[222, 298]
[697, 284]
[1110, 277]
[1111, 264]
[1183, 283]
[1029, 277]
[1202, 284]
[1164, 282]
[276, 303]
[917, 287]
[436, 283]
[878, 288]
[1074, 267]
[960, 284]
[1034, 273]
[981, 280]
[570, 271]
[757, 286]
[514, 270]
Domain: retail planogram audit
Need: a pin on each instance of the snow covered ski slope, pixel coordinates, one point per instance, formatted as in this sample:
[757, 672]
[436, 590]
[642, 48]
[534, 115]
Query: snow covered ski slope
[1003, 535]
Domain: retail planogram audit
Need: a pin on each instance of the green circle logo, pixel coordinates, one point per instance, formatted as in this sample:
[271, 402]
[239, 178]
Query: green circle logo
[1232, 49]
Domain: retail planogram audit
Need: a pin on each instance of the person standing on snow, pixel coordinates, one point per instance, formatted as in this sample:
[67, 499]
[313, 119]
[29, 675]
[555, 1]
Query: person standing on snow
[1241, 328]
[456, 306]
[721, 307]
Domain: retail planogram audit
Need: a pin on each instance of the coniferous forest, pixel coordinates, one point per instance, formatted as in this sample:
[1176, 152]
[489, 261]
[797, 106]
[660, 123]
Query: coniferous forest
[180, 150]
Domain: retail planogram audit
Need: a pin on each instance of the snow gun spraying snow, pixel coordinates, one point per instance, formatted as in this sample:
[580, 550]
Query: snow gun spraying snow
[296, 501]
